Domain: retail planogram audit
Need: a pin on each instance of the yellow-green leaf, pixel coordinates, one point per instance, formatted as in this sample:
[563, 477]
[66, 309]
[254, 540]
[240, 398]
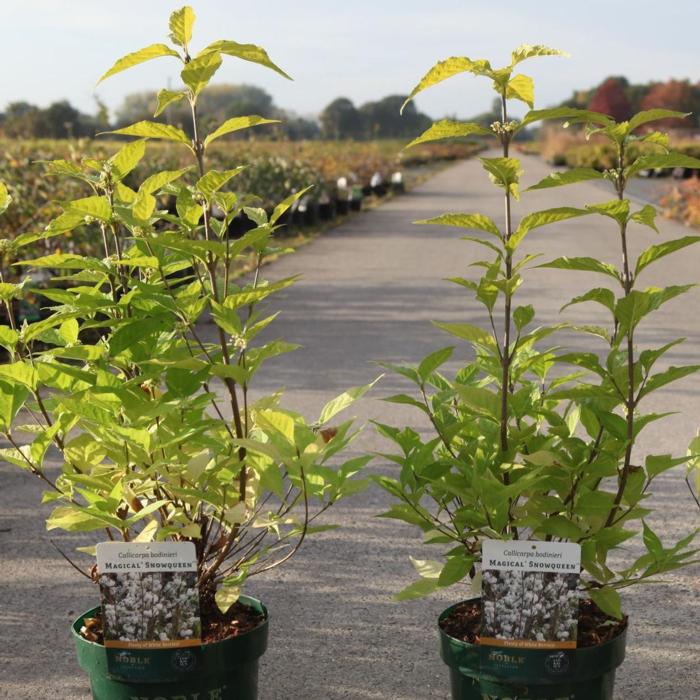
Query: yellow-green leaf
[247, 52]
[167, 97]
[181, 23]
[226, 596]
[215, 180]
[448, 129]
[97, 207]
[446, 69]
[340, 403]
[236, 124]
[469, 221]
[157, 181]
[198, 72]
[133, 59]
[521, 87]
[127, 158]
[526, 51]
[5, 199]
[143, 206]
[154, 130]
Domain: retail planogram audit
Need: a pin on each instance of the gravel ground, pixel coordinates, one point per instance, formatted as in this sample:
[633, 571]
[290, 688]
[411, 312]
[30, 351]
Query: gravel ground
[369, 292]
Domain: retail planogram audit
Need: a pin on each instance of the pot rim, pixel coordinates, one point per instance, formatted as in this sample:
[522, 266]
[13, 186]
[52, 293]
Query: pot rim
[75, 628]
[577, 649]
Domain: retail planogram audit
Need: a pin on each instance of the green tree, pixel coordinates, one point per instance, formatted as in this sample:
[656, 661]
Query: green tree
[383, 120]
[341, 120]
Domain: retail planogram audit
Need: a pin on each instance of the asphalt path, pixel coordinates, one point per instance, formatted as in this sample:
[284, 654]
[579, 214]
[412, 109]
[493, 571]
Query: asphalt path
[369, 291]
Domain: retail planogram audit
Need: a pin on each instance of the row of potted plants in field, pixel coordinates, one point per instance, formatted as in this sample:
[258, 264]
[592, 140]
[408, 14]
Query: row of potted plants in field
[154, 461]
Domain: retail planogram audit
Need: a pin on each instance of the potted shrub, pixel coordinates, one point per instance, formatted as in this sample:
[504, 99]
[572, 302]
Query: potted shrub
[159, 436]
[521, 450]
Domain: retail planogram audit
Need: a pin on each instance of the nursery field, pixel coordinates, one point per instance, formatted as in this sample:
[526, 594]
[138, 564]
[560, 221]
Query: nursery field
[675, 190]
[369, 291]
[274, 170]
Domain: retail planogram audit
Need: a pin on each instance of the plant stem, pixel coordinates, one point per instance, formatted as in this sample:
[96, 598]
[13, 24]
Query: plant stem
[630, 402]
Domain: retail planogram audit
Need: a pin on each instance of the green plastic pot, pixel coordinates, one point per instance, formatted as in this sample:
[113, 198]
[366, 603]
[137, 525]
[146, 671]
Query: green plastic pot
[226, 670]
[490, 673]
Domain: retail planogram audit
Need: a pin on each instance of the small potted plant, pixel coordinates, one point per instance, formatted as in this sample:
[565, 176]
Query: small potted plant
[521, 450]
[159, 436]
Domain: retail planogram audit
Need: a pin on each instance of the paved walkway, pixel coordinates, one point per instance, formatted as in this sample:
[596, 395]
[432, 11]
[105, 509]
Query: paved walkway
[369, 291]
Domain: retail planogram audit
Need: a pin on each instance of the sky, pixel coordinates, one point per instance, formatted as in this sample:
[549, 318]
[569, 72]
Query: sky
[361, 49]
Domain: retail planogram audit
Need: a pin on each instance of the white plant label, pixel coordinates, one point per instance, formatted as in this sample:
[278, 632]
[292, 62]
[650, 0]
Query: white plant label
[529, 593]
[150, 598]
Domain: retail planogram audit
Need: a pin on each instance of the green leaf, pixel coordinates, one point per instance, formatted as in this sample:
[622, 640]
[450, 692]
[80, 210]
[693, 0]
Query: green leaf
[167, 97]
[637, 304]
[430, 363]
[466, 331]
[12, 398]
[247, 52]
[199, 71]
[526, 51]
[468, 221]
[672, 374]
[446, 69]
[568, 177]
[157, 181]
[542, 218]
[214, 180]
[570, 113]
[651, 115]
[236, 124]
[646, 216]
[181, 23]
[583, 264]
[448, 129]
[251, 295]
[523, 315]
[521, 87]
[480, 400]
[127, 158]
[154, 130]
[133, 59]
[661, 160]
[601, 295]
[282, 207]
[617, 209]
[341, 402]
[608, 600]
[658, 464]
[455, 570]
[504, 172]
[655, 252]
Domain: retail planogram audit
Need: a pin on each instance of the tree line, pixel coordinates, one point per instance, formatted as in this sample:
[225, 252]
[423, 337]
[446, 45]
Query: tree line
[338, 120]
[621, 99]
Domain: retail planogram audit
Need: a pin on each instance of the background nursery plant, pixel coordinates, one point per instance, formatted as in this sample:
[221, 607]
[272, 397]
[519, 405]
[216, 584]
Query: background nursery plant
[517, 450]
[141, 375]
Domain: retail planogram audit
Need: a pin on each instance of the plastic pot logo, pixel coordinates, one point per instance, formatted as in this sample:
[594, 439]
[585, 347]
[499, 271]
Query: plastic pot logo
[183, 660]
[557, 664]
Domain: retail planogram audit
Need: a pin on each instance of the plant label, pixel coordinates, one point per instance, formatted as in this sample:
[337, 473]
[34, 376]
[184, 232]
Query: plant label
[529, 593]
[150, 601]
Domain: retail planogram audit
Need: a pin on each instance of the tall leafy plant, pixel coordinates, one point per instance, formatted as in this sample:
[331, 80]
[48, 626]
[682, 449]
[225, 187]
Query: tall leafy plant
[147, 403]
[513, 453]
[617, 480]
